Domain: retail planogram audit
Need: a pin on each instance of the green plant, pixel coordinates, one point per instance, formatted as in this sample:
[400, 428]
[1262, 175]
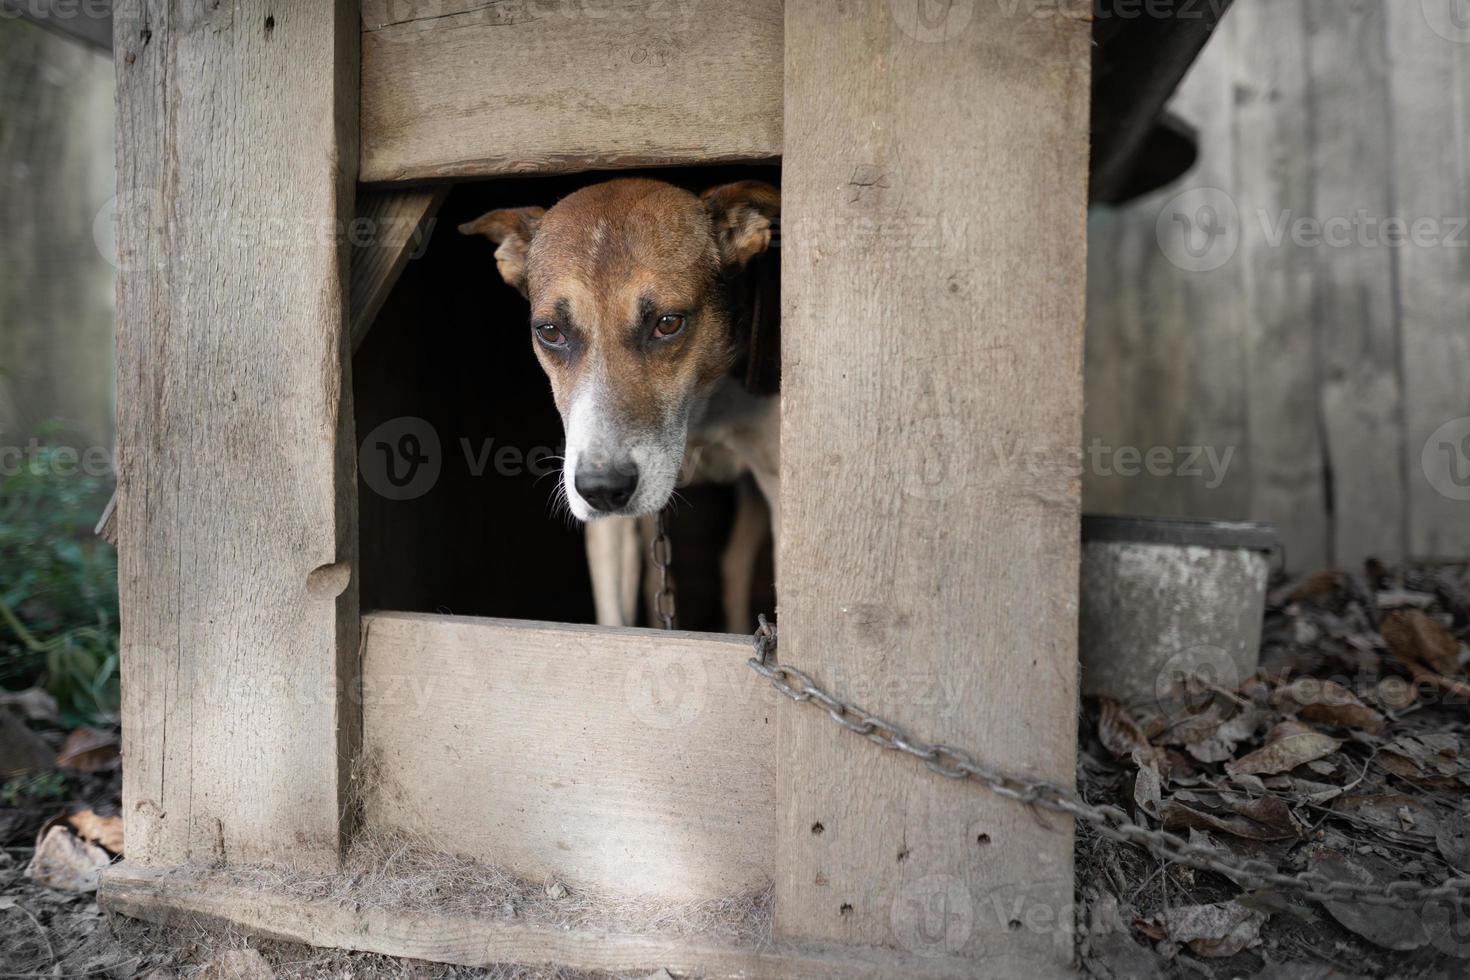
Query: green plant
[38, 788]
[58, 586]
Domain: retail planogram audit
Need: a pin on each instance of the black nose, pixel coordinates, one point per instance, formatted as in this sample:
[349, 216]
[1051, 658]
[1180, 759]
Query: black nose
[606, 486]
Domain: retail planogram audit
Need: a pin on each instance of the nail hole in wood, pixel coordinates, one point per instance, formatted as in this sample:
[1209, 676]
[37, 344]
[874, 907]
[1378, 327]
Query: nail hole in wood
[817, 829]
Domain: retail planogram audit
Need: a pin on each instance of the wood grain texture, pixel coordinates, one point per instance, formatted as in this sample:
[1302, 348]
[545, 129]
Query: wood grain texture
[472, 89]
[236, 149]
[1429, 118]
[1356, 318]
[1267, 133]
[1342, 131]
[1212, 403]
[187, 900]
[637, 761]
[935, 191]
[395, 224]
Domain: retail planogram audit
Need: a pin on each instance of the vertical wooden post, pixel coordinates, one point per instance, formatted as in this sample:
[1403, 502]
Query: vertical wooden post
[237, 156]
[935, 189]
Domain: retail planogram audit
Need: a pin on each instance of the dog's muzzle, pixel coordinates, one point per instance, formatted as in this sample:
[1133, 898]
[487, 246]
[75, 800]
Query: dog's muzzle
[607, 484]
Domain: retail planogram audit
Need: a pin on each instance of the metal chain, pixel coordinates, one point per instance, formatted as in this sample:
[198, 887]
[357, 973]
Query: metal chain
[1110, 821]
[663, 558]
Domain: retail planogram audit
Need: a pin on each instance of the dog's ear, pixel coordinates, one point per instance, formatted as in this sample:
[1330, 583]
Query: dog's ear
[745, 216]
[511, 229]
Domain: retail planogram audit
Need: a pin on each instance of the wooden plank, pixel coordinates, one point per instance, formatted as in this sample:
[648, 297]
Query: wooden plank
[463, 88]
[636, 761]
[184, 900]
[1263, 61]
[1138, 350]
[236, 501]
[1430, 89]
[395, 225]
[932, 403]
[1166, 429]
[1361, 396]
[1212, 325]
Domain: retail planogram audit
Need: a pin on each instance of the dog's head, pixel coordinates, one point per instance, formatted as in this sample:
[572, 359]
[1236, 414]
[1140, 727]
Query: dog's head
[630, 289]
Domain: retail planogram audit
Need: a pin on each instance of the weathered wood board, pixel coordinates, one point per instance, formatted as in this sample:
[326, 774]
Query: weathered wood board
[636, 761]
[236, 502]
[934, 240]
[461, 88]
[1360, 385]
[395, 225]
[1429, 102]
[1264, 135]
[1333, 171]
[489, 941]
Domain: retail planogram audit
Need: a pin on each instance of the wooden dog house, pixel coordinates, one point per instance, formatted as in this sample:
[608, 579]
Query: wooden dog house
[935, 168]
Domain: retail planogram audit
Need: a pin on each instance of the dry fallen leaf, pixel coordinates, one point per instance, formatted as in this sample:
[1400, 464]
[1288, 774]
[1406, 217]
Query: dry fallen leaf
[97, 829]
[1269, 811]
[1329, 703]
[1212, 734]
[1176, 816]
[1394, 815]
[1431, 758]
[88, 750]
[1386, 926]
[1416, 637]
[1289, 745]
[1222, 929]
[64, 861]
[1452, 837]
[1318, 585]
[1118, 732]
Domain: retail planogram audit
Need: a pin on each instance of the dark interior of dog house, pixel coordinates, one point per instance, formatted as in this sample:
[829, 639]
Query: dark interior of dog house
[450, 348]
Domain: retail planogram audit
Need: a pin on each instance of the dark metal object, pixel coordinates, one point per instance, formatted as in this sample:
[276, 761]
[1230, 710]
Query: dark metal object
[88, 21]
[663, 558]
[1140, 54]
[1180, 531]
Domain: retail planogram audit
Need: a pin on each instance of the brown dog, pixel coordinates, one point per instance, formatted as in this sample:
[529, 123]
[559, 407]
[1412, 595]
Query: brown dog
[633, 286]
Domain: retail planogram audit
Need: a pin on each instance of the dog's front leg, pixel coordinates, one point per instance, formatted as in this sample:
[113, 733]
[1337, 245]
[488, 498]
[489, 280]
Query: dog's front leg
[737, 562]
[614, 558]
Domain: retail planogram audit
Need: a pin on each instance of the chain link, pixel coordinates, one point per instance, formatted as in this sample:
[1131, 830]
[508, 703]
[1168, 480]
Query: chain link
[663, 558]
[1109, 821]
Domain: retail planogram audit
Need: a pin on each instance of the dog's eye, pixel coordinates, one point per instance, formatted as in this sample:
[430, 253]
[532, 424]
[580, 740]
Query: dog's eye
[550, 334]
[668, 325]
